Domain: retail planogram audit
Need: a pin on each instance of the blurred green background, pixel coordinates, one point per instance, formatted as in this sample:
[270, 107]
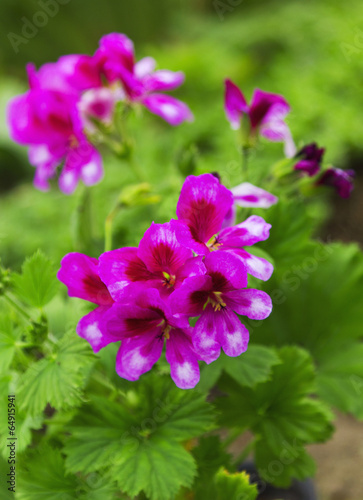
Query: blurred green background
[310, 51]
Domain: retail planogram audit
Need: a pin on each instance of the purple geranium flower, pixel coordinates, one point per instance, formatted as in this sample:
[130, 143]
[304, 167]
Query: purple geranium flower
[48, 121]
[141, 83]
[266, 114]
[341, 180]
[310, 158]
[159, 262]
[80, 275]
[216, 297]
[143, 324]
[203, 206]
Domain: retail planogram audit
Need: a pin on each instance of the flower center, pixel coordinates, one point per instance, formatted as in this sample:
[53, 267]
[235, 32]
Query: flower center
[73, 142]
[165, 329]
[215, 298]
[169, 280]
[213, 244]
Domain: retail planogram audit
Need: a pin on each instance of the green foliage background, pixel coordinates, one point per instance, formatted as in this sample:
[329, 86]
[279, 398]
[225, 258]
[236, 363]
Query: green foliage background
[71, 403]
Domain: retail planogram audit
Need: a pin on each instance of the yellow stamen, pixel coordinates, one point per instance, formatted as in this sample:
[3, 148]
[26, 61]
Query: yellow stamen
[216, 301]
[73, 141]
[213, 244]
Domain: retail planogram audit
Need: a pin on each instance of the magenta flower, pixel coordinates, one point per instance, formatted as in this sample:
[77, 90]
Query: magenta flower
[71, 74]
[141, 83]
[99, 104]
[216, 297]
[265, 115]
[341, 180]
[203, 206]
[310, 158]
[80, 275]
[248, 195]
[48, 121]
[143, 324]
[159, 262]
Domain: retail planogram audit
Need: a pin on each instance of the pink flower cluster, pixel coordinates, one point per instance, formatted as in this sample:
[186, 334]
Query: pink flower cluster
[53, 116]
[195, 266]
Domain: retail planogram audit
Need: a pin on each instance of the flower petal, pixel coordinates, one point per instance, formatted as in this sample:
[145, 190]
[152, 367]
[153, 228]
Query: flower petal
[341, 180]
[232, 335]
[90, 327]
[160, 250]
[45, 162]
[119, 268]
[191, 297]
[267, 109]
[247, 233]
[257, 266]
[170, 109]
[144, 67]
[226, 270]
[192, 267]
[248, 195]
[80, 274]
[82, 162]
[163, 80]
[183, 360]
[234, 104]
[202, 206]
[126, 320]
[255, 304]
[205, 336]
[118, 49]
[230, 218]
[92, 170]
[138, 355]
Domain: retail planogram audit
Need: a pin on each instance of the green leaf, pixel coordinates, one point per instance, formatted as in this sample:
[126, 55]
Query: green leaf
[210, 456]
[100, 488]
[42, 476]
[249, 369]
[8, 339]
[138, 438]
[158, 466]
[280, 411]
[234, 486]
[291, 461]
[318, 305]
[290, 237]
[37, 284]
[57, 379]
[340, 379]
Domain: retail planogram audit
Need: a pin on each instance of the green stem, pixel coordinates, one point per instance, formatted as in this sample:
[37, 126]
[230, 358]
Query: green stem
[109, 225]
[136, 169]
[18, 307]
[100, 379]
[83, 222]
[245, 155]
